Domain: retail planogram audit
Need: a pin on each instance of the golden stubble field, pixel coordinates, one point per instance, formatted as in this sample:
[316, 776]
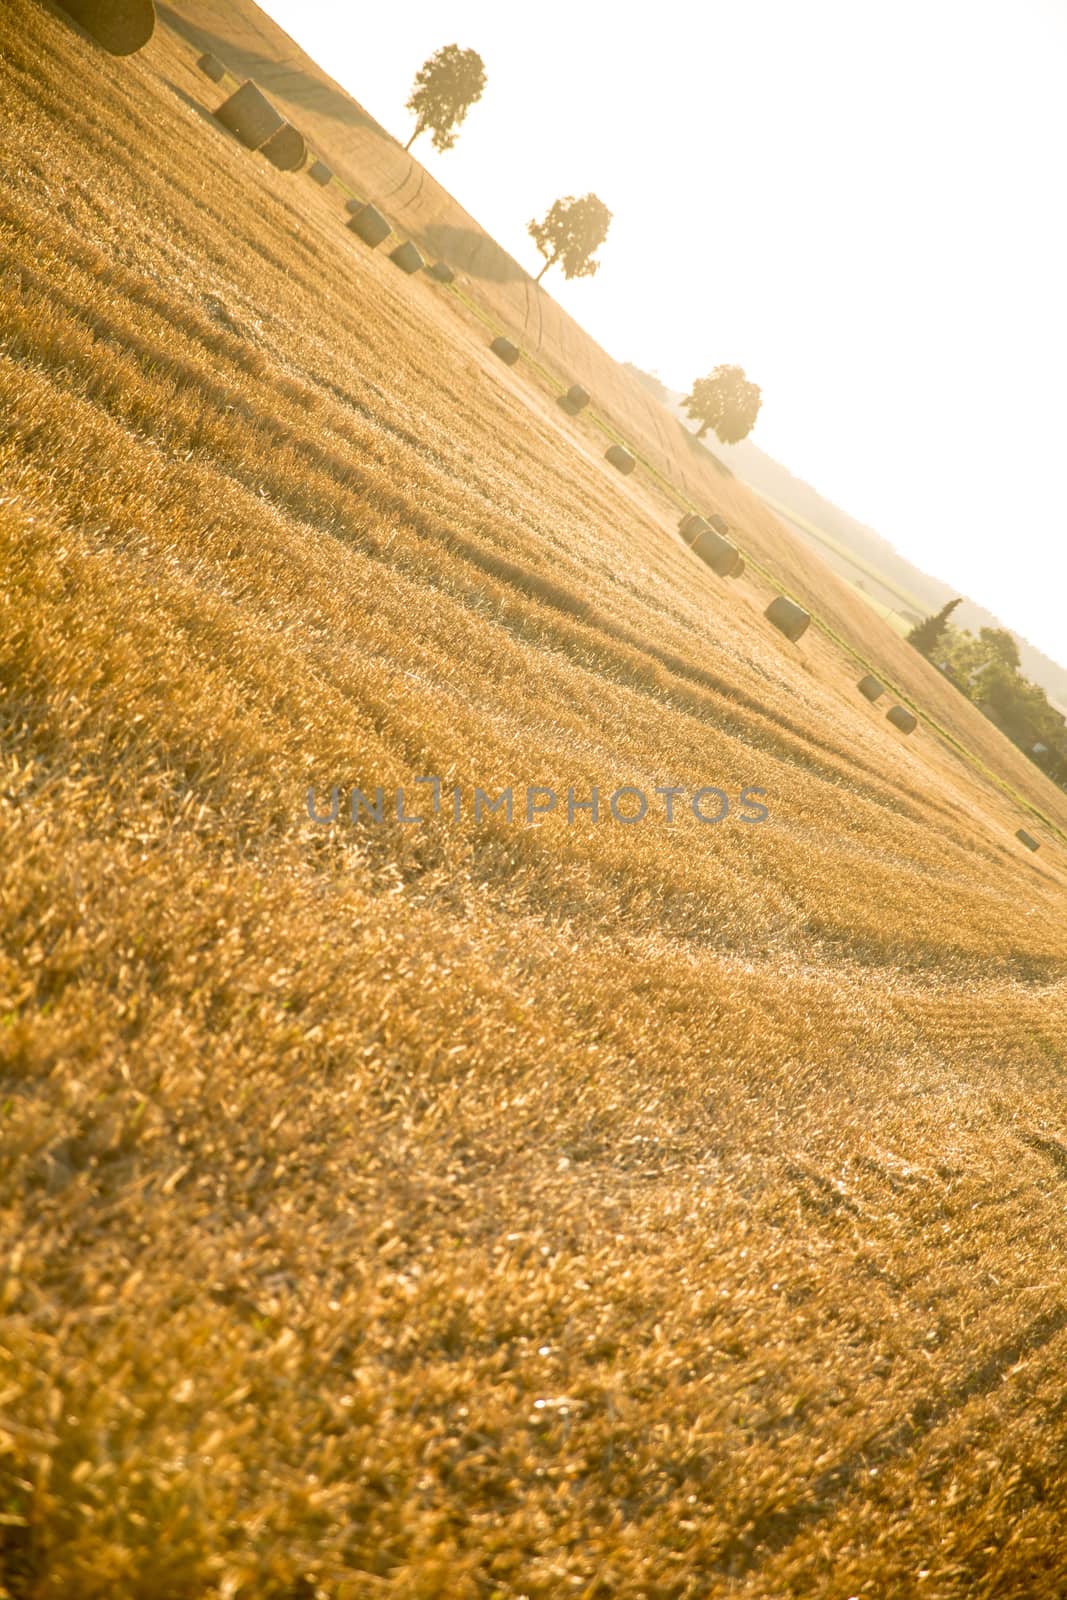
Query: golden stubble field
[466, 1210]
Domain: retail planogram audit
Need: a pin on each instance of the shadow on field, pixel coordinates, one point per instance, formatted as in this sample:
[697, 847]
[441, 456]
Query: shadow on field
[474, 252]
[201, 110]
[297, 86]
[774, 1530]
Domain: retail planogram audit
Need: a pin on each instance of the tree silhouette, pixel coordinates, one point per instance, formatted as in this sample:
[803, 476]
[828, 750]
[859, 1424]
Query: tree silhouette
[571, 232]
[446, 86]
[726, 401]
[926, 635]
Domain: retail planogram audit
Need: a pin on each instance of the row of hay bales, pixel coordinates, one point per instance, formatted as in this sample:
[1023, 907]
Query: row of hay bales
[260, 126]
[250, 116]
[793, 620]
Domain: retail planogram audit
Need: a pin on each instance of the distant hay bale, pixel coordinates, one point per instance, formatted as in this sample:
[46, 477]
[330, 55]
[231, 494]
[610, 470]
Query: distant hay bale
[508, 352]
[902, 719]
[738, 567]
[788, 618]
[407, 257]
[286, 149]
[692, 526]
[119, 26]
[1027, 839]
[716, 552]
[212, 67]
[870, 687]
[720, 524]
[370, 226]
[320, 172]
[249, 115]
[442, 272]
[352, 206]
[576, 399]
[621, 458]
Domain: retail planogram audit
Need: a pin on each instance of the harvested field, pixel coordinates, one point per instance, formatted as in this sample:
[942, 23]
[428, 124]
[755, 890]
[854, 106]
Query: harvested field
[470, 1208]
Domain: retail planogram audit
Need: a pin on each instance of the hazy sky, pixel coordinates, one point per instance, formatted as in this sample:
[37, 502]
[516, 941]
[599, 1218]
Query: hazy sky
[863, 204]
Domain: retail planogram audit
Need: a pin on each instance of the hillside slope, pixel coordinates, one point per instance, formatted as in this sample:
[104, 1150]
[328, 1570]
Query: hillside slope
[484, 1205]
[376, 167]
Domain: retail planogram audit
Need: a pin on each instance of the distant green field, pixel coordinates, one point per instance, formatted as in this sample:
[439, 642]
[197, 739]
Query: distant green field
[850, 556]
[898, 623]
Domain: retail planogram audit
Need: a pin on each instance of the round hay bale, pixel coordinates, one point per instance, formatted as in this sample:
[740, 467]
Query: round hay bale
[715, 551]
[320, 172]
[621, 458]
[692, 526]
[903, 719]
[870, 687]
[575, 400]
[249, 115]
[370, 225]
[407, 257]
[787, 617]
[689, 521]
[120, 26]
[508, 352]
[212, 67]
[286, 149]
[720, 524]
[1027, 839]
[352, 206]
[738, 567]
[442, 272]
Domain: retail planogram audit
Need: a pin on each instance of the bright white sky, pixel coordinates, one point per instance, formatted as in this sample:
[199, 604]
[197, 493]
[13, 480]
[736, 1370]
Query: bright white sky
[862, 203]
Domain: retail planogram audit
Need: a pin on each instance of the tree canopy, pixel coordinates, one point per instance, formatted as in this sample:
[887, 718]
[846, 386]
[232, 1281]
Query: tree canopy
[727, 402]
[986, 670]
[571, 232]
[446, 86]
[926, 635]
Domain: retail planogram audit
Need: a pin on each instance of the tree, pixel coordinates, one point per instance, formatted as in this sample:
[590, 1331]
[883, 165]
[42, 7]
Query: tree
[925, 635]
[446, 86]
[1000, 646]
[571, 232]
[726, 401]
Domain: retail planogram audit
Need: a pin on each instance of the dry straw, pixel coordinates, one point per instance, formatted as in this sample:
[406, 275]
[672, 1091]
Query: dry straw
[120, 26]
[715, 551]
[249, 116]
[407, 257]
[370, 226]
[621, 458]
[212, 67]
[508, 352]
[787, 617]
[575, 400]
[902, 718]
[287, 149]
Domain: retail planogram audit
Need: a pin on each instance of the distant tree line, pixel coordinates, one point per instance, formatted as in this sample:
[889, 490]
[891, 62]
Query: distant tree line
[987, 670]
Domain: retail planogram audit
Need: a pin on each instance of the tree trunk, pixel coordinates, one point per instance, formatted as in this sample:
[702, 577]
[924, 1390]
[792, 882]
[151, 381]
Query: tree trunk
[545, 268]
[414, 136]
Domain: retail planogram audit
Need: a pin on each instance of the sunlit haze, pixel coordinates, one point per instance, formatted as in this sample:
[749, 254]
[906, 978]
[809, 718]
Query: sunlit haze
[862, 205]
